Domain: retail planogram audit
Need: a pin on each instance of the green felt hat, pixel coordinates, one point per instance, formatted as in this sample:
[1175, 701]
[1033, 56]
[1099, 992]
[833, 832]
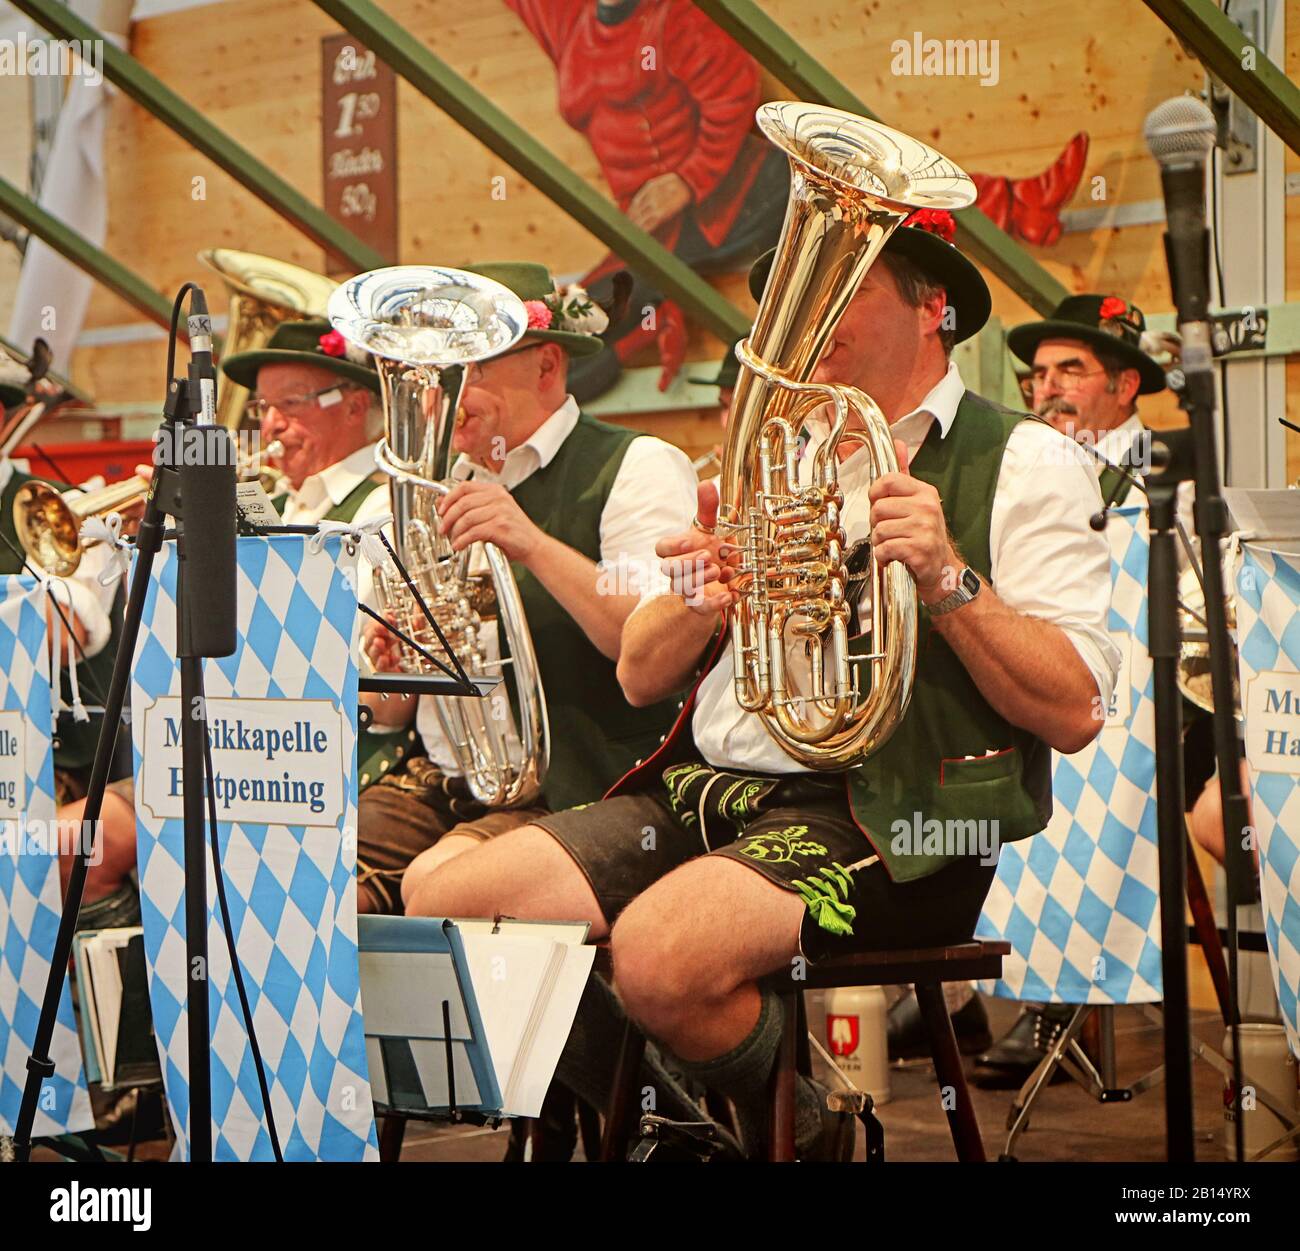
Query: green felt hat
[1100, 321]
[926, 243]
[303, 343]
[534, 285]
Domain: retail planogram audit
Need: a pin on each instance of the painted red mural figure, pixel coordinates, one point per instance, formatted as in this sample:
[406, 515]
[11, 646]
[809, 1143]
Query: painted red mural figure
[667, 102]
[666, 99]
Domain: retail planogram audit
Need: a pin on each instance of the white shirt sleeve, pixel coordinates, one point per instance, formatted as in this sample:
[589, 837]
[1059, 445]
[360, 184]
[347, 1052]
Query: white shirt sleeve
[654, 495]
[1047, 561]
[91, 600]
[376, 504]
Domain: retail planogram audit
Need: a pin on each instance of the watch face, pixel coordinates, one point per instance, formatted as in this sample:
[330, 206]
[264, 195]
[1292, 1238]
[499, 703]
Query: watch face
[970, 581]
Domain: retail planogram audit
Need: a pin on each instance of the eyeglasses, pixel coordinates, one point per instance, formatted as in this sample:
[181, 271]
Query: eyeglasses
[474, 370]
[296, 405]
[1068, 377]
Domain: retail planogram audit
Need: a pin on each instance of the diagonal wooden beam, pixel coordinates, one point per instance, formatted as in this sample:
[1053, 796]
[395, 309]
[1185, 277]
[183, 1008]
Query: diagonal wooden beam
[1222, 47]
[468, 106]
[122, 281]
[781, 56]
[125, 72]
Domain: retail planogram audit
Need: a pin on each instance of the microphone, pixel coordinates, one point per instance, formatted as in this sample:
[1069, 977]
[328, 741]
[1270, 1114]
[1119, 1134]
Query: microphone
[207, 487]
[202, 373]
[1181, 133]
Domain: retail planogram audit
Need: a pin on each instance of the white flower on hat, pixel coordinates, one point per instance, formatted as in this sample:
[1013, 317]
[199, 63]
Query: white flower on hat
[579, 313]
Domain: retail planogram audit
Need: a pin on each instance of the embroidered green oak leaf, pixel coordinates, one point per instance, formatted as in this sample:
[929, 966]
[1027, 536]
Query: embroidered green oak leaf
[782, 846]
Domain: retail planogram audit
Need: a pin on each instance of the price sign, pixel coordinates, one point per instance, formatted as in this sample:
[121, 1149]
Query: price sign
[359, 146]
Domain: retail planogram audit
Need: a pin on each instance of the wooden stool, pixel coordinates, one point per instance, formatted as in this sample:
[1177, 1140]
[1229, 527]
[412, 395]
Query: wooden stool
[927, 968]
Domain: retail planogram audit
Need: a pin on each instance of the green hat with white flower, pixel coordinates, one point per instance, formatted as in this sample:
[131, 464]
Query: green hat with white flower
[570, 317]
[310, 342]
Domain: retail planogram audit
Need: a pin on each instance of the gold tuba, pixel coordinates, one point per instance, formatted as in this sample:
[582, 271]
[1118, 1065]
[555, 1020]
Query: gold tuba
[852, 183]
[263, 293]
[417, 320]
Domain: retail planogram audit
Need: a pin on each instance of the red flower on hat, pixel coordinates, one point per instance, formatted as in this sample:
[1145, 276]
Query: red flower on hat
[333, 344]
[1113, 306]
[936, 221]
[539, 314]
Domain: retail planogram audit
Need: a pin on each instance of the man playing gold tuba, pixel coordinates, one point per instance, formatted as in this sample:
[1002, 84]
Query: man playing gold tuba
[718, 860]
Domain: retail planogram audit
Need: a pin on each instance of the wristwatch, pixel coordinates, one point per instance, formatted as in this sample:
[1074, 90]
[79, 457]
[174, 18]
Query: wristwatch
[968, 586]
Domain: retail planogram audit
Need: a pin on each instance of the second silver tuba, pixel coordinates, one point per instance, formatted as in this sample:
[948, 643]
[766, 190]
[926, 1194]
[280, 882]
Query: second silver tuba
[416, 321]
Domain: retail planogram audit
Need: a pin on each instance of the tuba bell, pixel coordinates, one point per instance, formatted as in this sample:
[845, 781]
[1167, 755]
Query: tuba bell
[263, 293]
[853, 182]
[417, 321]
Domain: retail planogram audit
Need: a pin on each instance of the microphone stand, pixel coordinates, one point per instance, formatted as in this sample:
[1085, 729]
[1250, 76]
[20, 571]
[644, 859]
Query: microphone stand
[1164, 642]
[1168, 467]
[164, 498]
[1196, 397]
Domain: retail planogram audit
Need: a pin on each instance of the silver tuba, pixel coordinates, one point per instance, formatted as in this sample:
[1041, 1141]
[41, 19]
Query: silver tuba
[417, 320]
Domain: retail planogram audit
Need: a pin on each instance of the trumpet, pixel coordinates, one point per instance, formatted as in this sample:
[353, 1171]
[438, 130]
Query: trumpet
[48, 522]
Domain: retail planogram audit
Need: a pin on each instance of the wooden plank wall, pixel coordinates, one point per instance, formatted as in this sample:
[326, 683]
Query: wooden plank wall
[1063, 67]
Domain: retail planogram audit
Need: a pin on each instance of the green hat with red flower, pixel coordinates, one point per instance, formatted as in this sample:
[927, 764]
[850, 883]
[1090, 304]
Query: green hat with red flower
[313, 342]
[569, 317]
[926, 239]
[1101, 321]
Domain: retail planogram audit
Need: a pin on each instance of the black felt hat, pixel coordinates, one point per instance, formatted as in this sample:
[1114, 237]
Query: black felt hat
[925, 240]
[1101, 321]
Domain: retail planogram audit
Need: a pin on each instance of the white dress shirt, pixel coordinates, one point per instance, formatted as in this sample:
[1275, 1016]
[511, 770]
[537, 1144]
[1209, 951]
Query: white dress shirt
[328, 489]
[653, 495]
[90, 600]
[1046, 562]
[1117, 443]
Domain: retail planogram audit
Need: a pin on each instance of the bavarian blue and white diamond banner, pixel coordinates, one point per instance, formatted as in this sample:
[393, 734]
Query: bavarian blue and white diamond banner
[1079, 903]
[30, 898]
[1267, 587]
[282, 722]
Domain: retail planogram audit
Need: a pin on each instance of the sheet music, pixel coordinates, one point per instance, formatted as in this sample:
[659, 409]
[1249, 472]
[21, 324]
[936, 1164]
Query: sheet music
[402, 994]
[1270, 517]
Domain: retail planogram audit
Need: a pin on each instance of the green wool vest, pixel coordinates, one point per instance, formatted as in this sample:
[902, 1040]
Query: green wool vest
[923, 797]
[596, 735]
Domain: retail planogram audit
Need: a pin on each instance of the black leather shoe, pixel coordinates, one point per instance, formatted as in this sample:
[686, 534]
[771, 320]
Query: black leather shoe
[907, 1036]
[1008, 1064]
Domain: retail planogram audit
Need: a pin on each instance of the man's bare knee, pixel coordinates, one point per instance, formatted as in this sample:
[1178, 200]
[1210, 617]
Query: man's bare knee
[446, 848]
[524, 873]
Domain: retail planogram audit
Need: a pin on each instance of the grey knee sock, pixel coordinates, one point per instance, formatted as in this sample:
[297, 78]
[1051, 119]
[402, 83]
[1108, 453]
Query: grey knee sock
[590, 1057]
[743, 1075]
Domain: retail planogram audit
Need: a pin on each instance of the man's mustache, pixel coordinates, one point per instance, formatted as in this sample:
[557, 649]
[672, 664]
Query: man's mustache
[1055, 406]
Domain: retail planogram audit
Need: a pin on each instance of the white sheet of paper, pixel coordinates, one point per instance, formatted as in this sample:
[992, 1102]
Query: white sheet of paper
[402, 994]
